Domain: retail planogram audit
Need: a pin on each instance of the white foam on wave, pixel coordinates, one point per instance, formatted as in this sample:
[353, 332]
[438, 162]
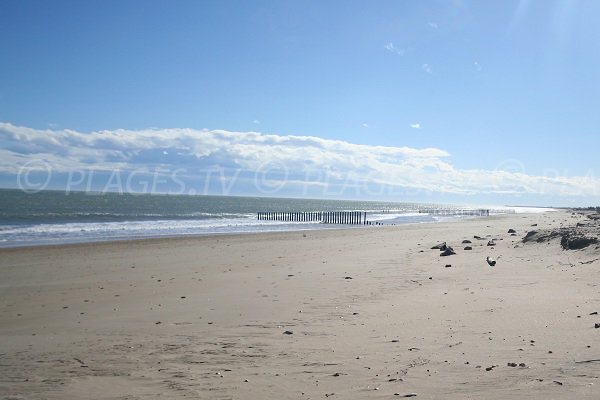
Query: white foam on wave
[19, 235]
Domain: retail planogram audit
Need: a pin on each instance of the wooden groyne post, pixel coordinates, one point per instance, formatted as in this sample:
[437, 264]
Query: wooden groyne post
[325, 217]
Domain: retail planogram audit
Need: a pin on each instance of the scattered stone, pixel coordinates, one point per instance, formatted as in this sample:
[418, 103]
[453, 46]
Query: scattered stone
[558, 383]
[466, 241]
[468, 248]
[448, 265]
[491, 261]
[348, 277]
[577, 242]
[511, 230]
[597, 325]
[490, 368]
[523, 365]
[478, 237]
[491, 243]
[157, 323]
[288, 333]
[441, 247]
[512, 364]
[594, 313]
[448, 252]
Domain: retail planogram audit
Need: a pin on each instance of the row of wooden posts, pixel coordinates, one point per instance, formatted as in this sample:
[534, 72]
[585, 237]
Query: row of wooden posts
[450, 211]
[325, 217]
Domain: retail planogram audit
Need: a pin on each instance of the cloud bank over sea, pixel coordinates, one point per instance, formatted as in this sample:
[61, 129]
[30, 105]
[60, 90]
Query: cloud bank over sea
[255, 163]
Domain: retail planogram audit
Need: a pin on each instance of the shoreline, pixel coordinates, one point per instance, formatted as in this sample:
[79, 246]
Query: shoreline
[331, 227]
[348, 313]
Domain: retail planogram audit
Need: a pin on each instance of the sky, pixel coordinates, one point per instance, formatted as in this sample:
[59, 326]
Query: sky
[471, 102]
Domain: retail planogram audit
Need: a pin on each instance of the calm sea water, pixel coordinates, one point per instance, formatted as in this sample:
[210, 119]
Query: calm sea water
[52, 217]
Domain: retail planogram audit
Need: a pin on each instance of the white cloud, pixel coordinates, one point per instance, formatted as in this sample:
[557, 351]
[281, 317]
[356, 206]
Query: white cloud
[433, 25]
[427, 68]
[415, 125]
[257, 122]
[477, 66]
[365, 125]
[323, 160]
[391, 48]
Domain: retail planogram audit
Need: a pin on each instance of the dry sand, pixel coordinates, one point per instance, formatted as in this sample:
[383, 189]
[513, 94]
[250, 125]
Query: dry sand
[373, 313]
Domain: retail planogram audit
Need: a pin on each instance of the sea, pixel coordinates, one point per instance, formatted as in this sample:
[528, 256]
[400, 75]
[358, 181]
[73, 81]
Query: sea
[59, 217]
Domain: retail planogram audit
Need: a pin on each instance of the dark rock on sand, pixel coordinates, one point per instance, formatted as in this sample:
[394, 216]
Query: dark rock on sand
[288, 333]
[512, 231]
[448, 252]
[441, 246]
[468, 248]
[466, 241]
[491, 243]
[577, 242]
[490, 261]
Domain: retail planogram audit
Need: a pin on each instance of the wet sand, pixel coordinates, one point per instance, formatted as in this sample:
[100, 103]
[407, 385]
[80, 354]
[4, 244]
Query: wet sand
[346, 314]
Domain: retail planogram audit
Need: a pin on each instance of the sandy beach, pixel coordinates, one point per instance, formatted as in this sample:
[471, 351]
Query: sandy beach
[343, 314]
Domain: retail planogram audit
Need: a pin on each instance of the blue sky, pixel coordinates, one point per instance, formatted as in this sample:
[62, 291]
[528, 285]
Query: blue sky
[493, 86]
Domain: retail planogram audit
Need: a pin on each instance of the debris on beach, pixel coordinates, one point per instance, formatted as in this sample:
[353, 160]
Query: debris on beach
[441, 246]
[490, 261]
[491, 243]
[288, 333]
[572, 238]
[577, 242]
[513, 364]
[448, 252]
